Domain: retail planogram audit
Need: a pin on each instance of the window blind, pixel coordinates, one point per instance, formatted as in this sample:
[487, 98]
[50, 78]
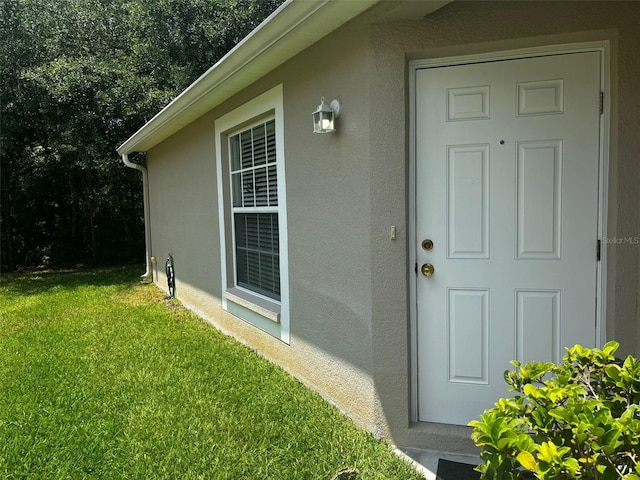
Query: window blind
[257, 252]
[254, 185]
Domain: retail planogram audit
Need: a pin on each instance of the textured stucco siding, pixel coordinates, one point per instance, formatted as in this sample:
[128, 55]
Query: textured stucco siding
[464, 28]
[183, 203]
[349, 281]
[327, 180]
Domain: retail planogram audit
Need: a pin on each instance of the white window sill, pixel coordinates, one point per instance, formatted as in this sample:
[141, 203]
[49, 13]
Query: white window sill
[263, 307]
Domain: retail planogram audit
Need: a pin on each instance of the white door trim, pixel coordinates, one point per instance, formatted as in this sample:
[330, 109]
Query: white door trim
[604, 49]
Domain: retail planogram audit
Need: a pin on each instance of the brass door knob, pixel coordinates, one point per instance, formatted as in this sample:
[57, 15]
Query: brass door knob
[428, 269]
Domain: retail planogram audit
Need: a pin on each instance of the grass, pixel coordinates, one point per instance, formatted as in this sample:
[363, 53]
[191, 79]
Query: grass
[102, 378]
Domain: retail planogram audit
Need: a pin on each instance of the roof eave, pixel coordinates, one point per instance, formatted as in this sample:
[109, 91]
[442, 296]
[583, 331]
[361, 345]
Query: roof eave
[294, 26]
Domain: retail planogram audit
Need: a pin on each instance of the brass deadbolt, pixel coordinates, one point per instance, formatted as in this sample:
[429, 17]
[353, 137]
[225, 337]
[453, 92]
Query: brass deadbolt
[427, 244]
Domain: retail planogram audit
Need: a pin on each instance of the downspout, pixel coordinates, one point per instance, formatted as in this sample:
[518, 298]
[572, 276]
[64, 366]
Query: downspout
[148, 275]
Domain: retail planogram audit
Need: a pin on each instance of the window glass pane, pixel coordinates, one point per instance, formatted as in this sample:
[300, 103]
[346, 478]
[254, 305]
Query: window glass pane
[273, 185]
[270, 128]
[261, 187]
[247, 189]
[265, 229]
[275, 232]
[242, 265]
[246, 149]
[252, 233]
[276, 274]
[267, 279]
[253, 269]
[234, 152]
[259, 145]
[236, 189]
[257, 253]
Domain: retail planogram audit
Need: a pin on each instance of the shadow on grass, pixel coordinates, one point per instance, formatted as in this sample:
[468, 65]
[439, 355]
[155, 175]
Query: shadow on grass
[42, 281]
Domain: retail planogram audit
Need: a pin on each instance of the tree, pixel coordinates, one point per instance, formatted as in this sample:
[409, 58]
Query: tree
[79, 76]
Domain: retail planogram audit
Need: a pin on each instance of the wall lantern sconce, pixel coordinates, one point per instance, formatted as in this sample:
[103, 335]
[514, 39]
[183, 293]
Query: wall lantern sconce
[325, 115]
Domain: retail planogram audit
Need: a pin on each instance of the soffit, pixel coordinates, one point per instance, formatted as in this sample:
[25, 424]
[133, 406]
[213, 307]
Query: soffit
[394, 10]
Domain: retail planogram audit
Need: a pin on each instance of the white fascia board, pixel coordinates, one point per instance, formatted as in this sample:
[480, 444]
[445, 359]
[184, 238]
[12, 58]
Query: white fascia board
[294, 26]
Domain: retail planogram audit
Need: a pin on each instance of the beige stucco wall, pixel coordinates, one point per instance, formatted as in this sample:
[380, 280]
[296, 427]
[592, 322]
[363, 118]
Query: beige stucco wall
[182, 199]
[327, 179]
[349, 281]
[463, 28]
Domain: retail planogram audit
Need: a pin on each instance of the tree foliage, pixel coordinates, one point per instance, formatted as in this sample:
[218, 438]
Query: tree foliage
[79, 77]
[579, 419]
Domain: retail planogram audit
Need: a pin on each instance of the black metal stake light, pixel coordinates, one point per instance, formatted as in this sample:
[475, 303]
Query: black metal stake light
[171, 279]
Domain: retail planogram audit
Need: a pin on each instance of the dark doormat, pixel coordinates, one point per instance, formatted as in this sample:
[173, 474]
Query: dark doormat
[448, 470]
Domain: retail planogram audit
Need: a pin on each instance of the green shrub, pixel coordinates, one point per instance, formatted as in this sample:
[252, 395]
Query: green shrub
[579, 419]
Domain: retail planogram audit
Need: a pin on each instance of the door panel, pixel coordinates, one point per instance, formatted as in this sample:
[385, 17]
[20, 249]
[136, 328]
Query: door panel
[468, 201]
[507, 161]
[467, 323]
[538, 199]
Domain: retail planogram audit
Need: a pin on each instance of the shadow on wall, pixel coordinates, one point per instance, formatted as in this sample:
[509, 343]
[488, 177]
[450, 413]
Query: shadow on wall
[331, 325]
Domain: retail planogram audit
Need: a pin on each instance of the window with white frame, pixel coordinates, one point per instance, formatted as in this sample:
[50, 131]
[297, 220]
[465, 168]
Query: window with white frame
[254, 189]
[252, 213]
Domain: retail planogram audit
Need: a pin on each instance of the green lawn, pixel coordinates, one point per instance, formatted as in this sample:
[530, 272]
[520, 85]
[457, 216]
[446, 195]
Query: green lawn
[100, 377]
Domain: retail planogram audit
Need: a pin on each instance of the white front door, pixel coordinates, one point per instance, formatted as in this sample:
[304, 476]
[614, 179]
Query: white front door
[507, 163]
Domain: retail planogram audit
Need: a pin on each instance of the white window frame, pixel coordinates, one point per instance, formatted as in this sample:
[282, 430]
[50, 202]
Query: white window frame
[263, 312]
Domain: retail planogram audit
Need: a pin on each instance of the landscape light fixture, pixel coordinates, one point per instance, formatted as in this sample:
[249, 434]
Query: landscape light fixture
[325, 115]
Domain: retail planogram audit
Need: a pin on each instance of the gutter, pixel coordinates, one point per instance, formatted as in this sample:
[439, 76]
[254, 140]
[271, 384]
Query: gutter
[147, 277]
